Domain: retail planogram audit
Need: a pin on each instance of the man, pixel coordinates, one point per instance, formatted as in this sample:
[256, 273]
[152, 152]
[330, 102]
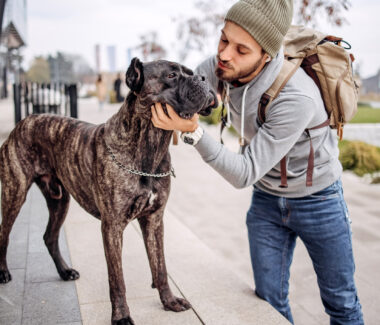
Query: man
[249, 59]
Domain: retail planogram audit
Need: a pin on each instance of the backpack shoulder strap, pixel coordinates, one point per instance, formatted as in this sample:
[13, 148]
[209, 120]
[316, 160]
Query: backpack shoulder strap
[287, 71]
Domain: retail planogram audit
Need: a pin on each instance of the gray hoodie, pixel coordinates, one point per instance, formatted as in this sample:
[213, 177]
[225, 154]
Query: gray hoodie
[299, 106]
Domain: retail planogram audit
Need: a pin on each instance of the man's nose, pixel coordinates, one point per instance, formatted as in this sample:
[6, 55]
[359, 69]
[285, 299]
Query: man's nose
[226, 54]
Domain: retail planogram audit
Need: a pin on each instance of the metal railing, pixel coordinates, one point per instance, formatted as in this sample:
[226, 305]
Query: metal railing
[33, 98]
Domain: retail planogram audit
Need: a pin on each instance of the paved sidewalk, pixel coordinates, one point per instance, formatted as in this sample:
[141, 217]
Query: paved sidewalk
[36, 295]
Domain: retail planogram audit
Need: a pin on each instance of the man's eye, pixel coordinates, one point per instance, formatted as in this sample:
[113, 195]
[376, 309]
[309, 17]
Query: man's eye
[172, 75]
[223, 40]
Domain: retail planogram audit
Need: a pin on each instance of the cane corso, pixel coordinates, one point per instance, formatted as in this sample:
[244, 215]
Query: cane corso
[117, 171]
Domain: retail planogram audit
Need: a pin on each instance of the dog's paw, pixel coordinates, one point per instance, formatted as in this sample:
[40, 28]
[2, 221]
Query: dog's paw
[124, 321]
[176, 304]
[5, 276]
[69, 275]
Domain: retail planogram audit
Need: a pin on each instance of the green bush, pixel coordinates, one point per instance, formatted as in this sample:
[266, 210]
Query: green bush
[376, 180]
[112, 97]
[214, 117]
[360, 157]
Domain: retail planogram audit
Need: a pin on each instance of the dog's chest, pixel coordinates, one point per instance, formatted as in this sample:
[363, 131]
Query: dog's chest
[152, 198]
[146, 202]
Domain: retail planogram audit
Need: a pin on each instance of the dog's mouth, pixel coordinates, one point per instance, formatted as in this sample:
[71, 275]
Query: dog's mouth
[209, 104]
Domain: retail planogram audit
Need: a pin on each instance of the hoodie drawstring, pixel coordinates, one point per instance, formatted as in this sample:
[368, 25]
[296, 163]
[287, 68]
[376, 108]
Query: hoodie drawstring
[242, 139]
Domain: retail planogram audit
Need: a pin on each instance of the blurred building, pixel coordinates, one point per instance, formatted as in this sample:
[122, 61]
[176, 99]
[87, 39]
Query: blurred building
[68, 68]
[371, 85]
[97, 58]
[13, 38]
[111, 50]
[61, 69]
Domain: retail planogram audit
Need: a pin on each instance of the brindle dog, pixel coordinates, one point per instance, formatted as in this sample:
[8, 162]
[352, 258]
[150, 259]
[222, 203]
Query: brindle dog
[66, 156]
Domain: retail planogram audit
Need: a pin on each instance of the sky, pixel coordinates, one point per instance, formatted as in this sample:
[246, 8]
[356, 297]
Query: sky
[75, 26]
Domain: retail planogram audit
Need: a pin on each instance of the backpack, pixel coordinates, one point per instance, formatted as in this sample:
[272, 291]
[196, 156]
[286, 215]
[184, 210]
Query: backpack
[327, 62]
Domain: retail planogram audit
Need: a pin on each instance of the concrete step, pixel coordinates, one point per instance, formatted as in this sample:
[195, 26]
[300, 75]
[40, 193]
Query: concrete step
[217, 294]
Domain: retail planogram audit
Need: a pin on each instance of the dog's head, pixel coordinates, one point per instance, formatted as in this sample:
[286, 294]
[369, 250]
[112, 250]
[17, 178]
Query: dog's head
[169, 82]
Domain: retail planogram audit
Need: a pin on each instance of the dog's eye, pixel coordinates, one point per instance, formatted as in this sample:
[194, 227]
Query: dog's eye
[172, 75]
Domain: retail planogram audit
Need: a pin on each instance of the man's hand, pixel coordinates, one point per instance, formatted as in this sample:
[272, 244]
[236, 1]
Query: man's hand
[173, 121]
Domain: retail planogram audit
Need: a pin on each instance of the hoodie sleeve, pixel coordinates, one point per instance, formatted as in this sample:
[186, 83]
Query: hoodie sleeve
[286, 120]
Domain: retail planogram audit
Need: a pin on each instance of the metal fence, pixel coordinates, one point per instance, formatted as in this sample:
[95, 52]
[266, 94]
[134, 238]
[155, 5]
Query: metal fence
[34, 98]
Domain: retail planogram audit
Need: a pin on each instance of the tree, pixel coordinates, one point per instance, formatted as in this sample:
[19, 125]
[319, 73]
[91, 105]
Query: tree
[310, 11]
[39, 70]
[200, 33]
[150, 47]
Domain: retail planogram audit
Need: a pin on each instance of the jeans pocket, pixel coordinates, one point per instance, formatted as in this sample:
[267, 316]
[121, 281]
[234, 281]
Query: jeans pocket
[330, 192]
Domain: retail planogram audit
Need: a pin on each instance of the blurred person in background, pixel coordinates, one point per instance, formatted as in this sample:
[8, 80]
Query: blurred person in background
[116, 88]
[101, 91]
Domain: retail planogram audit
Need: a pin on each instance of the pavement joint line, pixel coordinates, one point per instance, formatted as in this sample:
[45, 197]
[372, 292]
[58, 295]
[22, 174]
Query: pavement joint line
[174, 282]
[9, 302]
[26, 258]
[183, 295]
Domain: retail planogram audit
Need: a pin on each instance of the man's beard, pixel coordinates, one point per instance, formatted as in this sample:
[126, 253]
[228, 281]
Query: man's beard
[220, 73]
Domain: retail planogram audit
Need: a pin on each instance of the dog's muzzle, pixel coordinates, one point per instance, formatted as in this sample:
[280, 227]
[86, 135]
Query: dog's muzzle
[202, 98]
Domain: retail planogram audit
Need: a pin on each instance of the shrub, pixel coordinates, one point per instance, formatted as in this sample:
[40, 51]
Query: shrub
[112, 97]
[214, 117]
[360, 157]
[376, 180]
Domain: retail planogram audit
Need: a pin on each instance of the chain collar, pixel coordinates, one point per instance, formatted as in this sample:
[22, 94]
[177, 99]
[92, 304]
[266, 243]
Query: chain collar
[137, 172]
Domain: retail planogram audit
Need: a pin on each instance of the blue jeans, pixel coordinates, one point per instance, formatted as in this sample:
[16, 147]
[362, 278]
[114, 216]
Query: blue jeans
[321, 221]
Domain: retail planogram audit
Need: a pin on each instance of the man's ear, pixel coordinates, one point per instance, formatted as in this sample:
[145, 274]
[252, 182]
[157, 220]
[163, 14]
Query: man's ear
[134, 77]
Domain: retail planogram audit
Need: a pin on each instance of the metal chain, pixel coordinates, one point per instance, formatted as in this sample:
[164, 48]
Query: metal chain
[137, 172]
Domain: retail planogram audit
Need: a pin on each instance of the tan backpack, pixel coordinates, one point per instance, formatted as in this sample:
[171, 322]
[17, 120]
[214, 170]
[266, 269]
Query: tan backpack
[327, 62]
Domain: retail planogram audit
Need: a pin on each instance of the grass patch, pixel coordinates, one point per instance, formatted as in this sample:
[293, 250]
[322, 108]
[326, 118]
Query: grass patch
[366, 114]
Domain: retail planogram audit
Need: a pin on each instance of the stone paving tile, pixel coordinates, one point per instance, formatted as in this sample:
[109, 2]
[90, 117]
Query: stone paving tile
[11, 298]
[36, 294]
[18, 246]
[41, 268]
[236, 309]
[50, 303]
[145, 311]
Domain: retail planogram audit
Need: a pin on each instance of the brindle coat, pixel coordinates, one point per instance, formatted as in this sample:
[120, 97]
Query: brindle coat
[66, 156]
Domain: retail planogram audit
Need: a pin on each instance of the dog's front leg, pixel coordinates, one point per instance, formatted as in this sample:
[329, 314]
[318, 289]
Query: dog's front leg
[153, 233]
[113, 243]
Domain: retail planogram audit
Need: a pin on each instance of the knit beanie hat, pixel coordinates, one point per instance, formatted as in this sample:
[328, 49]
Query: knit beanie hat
[266, 20]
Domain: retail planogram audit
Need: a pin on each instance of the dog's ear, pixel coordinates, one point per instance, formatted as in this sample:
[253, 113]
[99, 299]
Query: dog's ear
[134, 77]
[187, 70]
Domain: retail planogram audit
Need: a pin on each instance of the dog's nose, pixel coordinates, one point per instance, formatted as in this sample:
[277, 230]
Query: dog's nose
[185, 115]
[201, 78]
